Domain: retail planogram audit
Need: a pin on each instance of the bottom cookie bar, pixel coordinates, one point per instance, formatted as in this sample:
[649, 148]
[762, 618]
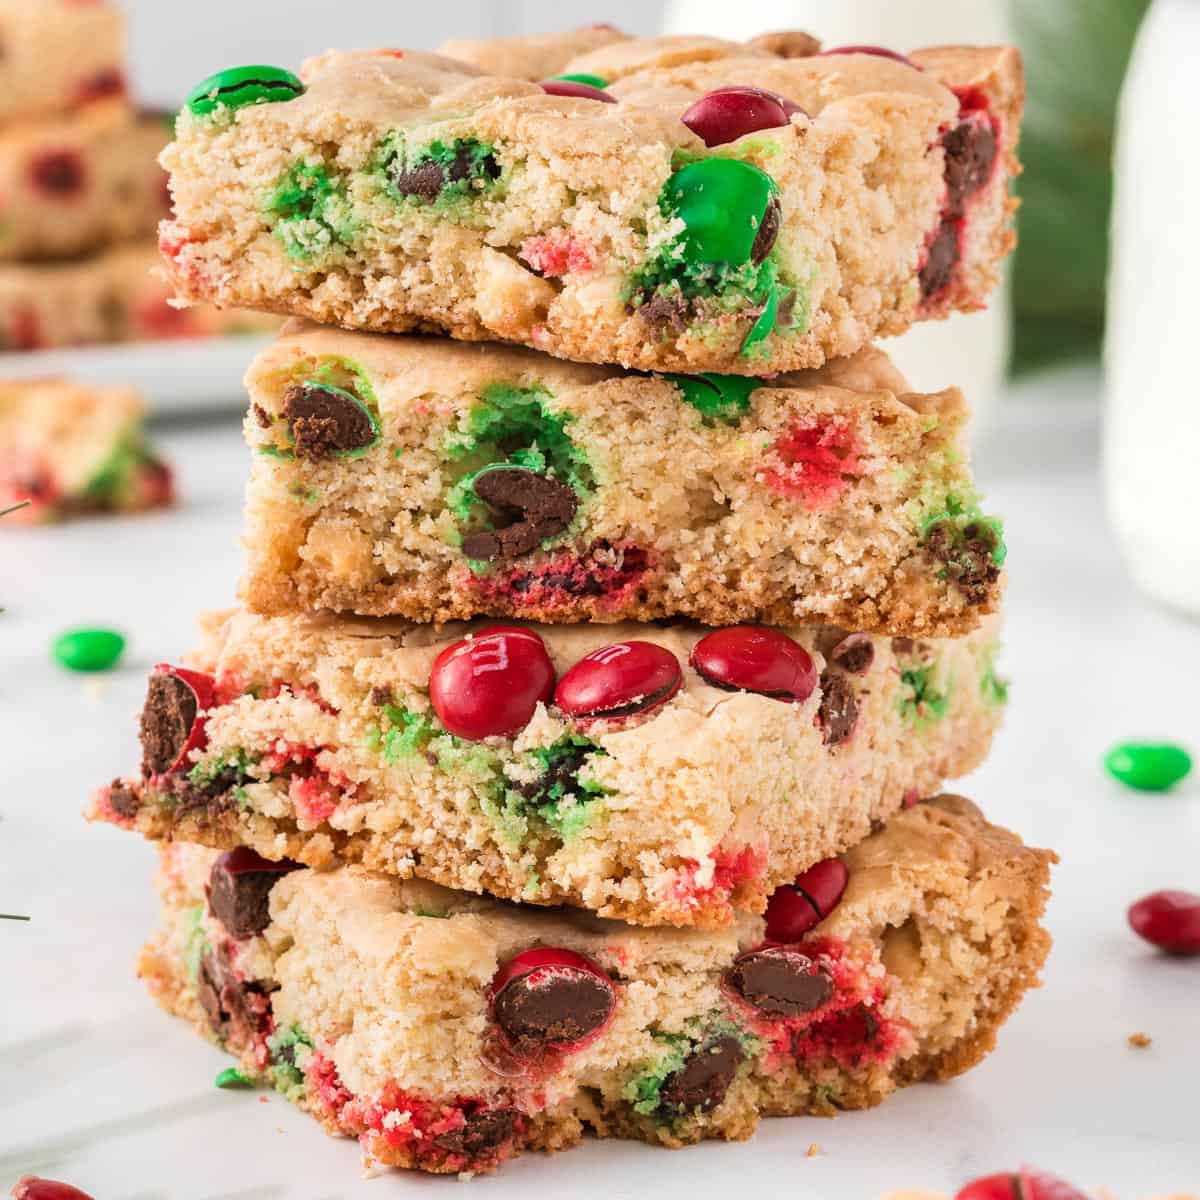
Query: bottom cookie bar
[447, 1032]
[67, 449]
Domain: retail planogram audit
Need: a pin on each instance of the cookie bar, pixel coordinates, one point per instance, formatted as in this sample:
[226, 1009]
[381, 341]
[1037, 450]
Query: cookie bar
[77, 183]
[662, 775]
[449, 1032]
[68, 449]
[113, 297]
[436, 480]
[823, 201]
[58, 56]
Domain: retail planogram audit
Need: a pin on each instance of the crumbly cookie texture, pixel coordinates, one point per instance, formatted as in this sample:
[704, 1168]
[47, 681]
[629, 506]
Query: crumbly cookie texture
[114, 296]
[59, 56]
[398, 190]
[68, 449]
[77, 183]
[680, 801]
[449, 1032]
[450, 481]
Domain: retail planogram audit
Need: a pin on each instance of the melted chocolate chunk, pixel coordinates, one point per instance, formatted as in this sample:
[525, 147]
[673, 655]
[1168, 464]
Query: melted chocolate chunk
[325, 421]
[854, 654]
[702, 1081]
[261, 416]
[968, 558]
[483, 1132]
[426, 179]
[561, 777]
[123, 800]
[970, 152]
[564, 1005]
[941, 260]
[528, 508]
[237, 1011]
[666, 310]
[167, 718]
[768, 231]
[838, 713]
[781, 982]
[239, 890]
[382, 694]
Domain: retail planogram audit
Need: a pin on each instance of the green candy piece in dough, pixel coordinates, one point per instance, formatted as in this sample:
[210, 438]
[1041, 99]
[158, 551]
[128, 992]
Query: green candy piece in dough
[1148, 766]
[762, 327]
[720, 397]
[231, 1077]
[722, 202]
[88, 649]
[240, 87]
[596, 81]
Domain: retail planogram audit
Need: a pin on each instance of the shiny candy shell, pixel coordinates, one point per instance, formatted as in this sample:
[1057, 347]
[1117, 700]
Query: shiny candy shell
[722, 203]
[752, 658]
[240, 87]
[619, 680]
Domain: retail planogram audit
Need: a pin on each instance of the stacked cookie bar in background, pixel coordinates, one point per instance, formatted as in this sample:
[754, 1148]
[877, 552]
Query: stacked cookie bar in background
[81, 194]
[573, 762]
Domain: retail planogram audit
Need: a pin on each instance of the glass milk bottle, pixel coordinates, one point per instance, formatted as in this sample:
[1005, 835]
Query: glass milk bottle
[1152, 403]
[969, 350]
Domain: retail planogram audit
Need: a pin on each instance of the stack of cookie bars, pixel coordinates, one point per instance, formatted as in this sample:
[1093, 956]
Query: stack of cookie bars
[662, 852]
[80, 192]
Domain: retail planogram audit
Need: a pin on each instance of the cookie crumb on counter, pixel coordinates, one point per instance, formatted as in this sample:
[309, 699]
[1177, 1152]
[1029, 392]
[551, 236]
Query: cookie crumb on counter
[1140, 1040]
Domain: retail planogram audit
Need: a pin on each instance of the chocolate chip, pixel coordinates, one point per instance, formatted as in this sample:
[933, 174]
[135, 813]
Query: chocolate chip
[239, 890]
[968, 558]
[666, 310]
[382, 694]
[780, 982]
[123, 800]
[768, 231]
[564, 1005]
[838, 713]
[425, 180]
[166, 722]
[236, 1011]
[528, 508]
[940, 260]
[261, 415]
[325, 420]
[483, 1132]
[702, 1081]
[970, 152]
[560, 778]
[854, 654]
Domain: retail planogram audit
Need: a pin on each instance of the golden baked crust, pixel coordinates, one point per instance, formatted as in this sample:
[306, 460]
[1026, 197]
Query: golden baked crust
[323, 747]
[382, 989]
[819, 496]
[559, 240]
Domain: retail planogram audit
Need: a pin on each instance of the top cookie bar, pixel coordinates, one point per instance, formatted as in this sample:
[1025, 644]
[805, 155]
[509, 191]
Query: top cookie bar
[394, 190]
[58, 55]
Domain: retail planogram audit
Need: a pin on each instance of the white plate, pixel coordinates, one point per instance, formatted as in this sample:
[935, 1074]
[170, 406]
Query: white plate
[175, 377]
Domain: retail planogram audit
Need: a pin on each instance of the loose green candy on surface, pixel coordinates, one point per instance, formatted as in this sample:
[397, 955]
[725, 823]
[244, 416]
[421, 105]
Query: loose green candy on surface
[1148, 766]
[239, 87]
[231, 1077]
[722, 202]
[596, 81]
[726, 397]
[88, 649]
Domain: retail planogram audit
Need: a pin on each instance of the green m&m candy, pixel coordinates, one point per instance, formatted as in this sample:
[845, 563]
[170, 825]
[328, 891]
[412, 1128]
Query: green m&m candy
[721, 397]
[239, 87]
[729, 208]
[1148, 766]
[596, 81]
[231, 1077]
[88, 649]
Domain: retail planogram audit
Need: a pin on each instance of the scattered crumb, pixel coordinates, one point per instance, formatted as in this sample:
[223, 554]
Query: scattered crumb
[96, 689]
[1140, 1040]
[813, 1150]
[262, 1099]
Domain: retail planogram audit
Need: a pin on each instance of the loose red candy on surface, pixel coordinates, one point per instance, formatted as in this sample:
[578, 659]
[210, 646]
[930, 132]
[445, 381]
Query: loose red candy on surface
[490, 684]
[619, 681]
[877, 51]
[174, 717]
[728, 113]
[1024, 1184]
[1169, 920]
[581, 91]
[797, 907]
[751, 658]
[32, 1188]
[551, 997]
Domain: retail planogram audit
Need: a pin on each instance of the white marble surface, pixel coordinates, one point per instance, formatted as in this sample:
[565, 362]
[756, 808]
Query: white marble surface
[97, 1087]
